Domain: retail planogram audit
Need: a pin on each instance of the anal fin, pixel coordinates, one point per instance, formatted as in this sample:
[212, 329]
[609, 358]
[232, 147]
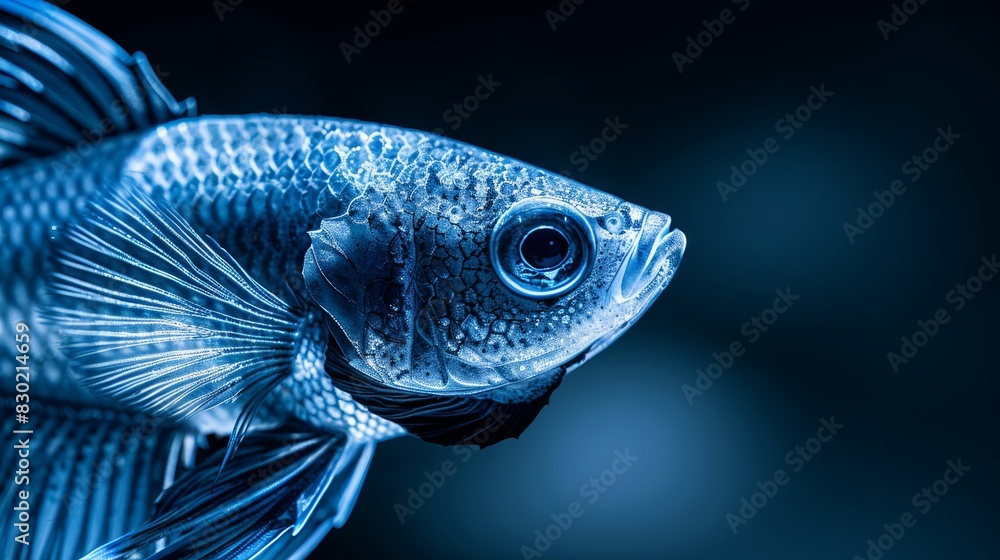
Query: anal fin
[263, 506]
[93, 476]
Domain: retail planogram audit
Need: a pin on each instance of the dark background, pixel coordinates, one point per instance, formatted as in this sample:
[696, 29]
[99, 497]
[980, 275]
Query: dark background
[827, 355]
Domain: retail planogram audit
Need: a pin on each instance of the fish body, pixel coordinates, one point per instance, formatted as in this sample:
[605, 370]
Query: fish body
[256, 184]
[306, 286]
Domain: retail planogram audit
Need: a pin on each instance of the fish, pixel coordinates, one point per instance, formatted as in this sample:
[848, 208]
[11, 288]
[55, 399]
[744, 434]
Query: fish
[214, 320]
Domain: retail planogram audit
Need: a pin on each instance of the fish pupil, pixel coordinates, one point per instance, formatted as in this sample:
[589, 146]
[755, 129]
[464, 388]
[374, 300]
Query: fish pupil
[544, 247]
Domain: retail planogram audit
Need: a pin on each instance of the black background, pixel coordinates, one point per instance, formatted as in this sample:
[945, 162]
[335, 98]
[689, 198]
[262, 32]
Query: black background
[826, 355]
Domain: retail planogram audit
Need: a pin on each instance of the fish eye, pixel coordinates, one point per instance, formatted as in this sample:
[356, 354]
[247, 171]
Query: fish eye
[542, 248]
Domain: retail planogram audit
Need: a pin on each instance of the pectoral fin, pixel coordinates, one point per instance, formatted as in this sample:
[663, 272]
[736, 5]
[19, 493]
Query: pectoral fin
[160, 319]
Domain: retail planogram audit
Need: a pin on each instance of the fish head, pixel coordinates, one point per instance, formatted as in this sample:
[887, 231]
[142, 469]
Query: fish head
[562, 272]
[487, 279]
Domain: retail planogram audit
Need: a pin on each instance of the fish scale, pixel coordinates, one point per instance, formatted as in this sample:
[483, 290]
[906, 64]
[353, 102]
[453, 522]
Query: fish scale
[36, 198]
[255, 212]
[257, 185]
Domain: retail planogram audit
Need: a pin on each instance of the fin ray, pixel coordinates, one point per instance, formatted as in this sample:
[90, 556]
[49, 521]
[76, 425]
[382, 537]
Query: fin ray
[60, 77]
[94, 474]
[159, 318]
[243, 514]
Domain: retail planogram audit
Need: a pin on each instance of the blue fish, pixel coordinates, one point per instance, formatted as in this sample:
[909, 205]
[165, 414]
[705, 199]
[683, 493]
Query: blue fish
[214, 319]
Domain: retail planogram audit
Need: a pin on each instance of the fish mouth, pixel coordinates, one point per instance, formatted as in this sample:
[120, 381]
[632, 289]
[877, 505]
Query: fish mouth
[650, 261]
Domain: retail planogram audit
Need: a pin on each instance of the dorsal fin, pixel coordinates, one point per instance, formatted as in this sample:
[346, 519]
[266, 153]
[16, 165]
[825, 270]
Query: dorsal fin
[63, 83]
